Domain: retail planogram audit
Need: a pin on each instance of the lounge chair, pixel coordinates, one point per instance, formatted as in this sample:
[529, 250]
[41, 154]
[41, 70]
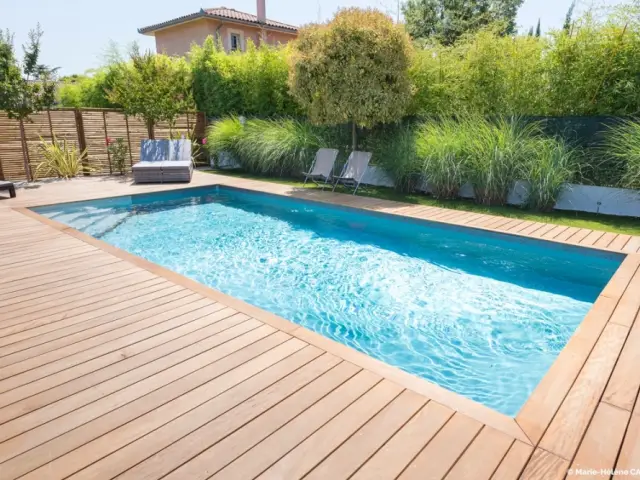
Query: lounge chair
[322, 167]
[353, 170]
[164, 161]
[8, 186]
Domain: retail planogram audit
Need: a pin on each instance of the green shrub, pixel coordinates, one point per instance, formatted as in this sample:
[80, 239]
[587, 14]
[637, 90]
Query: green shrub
[393, 148]
[242, 83]
[550, 166]
[443, 147]
[622, 144]
[118, 152]
[273, 147]
[87, 90]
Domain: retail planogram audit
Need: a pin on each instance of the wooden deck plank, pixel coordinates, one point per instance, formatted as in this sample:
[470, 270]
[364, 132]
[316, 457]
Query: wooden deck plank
[620, 241]
[602, 441]
[629, 456]
[605, 240]
[619, 283]
[442, 452]
[222, 440]
[20, 292]
[547, 228]
[284, 437]
[38, 299]
[402, 448]
[115, 339]
[220, 330]
[545, 466]
[580, 235]
[125, 454]
[482, 457]
[624, 384]
[629, 304]
[308, 453]
[592, 238]
[563, 436]
[92, 328]
[79, 297]
[633, 245]
[513, 462]
[566, 234]
[554, 232]
[344, 461]
[157, 354]
[234, 361]
[119, 397]
[40, 326]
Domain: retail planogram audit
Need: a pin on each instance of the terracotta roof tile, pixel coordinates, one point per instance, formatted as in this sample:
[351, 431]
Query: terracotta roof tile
[246, 17]
[220, 12]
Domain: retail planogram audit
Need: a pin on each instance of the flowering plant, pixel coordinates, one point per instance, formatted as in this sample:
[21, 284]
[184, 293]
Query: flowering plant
[118, 152]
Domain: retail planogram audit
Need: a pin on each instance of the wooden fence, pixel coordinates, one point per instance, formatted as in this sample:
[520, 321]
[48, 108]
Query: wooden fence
[87, 128]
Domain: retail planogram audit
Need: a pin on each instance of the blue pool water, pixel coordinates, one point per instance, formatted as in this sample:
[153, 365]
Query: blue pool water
[481, 314]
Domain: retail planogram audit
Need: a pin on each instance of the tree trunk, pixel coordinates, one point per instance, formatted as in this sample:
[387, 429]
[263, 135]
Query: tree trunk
[354, 136]
[150, 130]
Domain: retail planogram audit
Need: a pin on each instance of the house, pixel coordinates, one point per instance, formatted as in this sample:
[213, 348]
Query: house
[233, 28]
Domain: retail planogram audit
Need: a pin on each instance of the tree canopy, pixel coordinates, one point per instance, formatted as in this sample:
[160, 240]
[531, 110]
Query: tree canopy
[352, 69]
[28, 87]
[444, 21]
[153, 87]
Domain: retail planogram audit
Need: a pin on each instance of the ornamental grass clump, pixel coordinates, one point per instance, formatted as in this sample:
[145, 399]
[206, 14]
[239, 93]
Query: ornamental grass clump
[622, 144]
[278, 147]
[496, 150]
[442, 146]
[272, 147]
[224, 136]
[550, 166]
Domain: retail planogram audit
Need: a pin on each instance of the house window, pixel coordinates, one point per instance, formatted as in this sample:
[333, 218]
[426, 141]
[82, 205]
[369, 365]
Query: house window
[236, 42]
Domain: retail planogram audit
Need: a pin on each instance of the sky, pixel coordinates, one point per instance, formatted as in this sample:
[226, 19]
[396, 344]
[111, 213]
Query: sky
[77, 32]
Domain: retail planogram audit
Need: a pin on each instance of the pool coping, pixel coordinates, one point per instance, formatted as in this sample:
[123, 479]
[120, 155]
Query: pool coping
[533, 419]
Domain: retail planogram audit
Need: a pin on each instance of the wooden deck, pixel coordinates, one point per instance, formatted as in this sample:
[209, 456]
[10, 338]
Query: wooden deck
[111, 366]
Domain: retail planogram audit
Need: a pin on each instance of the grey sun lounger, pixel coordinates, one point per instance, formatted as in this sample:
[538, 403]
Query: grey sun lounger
[353, 170]
[8, 186]
[164, 161]
[321, 169]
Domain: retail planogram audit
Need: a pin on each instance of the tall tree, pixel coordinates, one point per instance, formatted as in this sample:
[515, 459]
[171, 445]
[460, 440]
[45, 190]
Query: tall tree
[538, 29]
[444, 21]
[568, 18]
[353, 69]
[28, 87]
[152, 87]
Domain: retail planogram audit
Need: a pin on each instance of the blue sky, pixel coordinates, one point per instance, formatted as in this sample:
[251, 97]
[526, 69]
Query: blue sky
[78, 31]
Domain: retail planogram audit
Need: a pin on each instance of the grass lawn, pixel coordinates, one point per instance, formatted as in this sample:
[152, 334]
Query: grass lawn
[608, 223]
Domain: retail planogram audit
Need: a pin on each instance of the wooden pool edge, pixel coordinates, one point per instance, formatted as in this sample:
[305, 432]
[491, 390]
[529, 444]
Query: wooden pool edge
[534, 418]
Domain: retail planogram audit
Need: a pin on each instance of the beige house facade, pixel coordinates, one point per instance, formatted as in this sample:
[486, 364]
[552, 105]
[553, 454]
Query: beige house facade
[233, 28]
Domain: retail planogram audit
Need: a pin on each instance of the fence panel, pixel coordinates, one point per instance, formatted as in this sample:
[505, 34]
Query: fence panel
[11, 159]
[83, 128]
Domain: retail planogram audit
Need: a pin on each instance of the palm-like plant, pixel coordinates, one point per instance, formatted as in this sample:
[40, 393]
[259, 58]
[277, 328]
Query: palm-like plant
[61, 159]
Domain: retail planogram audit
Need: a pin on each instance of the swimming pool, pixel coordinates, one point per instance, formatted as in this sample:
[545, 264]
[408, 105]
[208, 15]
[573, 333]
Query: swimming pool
[481, 314]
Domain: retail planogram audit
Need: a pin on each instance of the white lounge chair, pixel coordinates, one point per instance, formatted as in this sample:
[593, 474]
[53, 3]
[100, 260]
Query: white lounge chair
[353, 170]
[164, 161]
[322, 167]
